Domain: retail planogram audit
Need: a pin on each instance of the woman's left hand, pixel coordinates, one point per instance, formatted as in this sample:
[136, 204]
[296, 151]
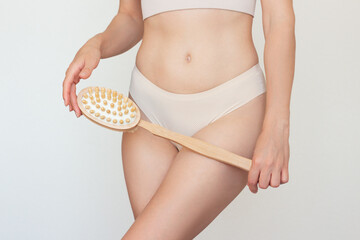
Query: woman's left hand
[270, 158]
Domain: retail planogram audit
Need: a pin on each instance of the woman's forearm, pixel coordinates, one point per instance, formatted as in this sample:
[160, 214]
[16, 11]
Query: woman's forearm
[123, 33]
[279, 61]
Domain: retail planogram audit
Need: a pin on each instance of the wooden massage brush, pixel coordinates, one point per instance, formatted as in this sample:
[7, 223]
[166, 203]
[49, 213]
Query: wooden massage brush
[115, 111]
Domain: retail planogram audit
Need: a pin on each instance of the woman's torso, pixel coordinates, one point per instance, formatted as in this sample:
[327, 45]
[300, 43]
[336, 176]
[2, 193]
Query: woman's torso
[193, 50]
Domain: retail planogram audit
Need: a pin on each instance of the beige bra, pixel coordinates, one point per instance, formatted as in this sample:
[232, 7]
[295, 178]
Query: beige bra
[152, 7]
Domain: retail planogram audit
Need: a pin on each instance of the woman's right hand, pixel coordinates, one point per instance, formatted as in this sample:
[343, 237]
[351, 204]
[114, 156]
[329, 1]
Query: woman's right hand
[84, 62]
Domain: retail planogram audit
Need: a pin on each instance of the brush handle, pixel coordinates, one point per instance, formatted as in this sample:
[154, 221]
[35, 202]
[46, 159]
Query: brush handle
[199, 146]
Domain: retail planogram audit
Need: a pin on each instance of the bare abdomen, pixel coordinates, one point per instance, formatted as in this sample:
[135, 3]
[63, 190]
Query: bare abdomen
[189, 51]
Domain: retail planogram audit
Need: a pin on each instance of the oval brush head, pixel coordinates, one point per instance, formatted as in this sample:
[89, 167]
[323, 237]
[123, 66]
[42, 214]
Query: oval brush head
[109, 108]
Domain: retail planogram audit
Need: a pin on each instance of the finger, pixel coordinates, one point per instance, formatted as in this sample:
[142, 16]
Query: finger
[284, 175]
[71, 108]
[67, 84]
[285, 170]
[74, 100]
[275, 178]
[264, 179]
[253, 178]
[72, 71]
[90, 64]
[78, 113]
[76, 106]
[85, 73]
[71, 105]
[66, 89]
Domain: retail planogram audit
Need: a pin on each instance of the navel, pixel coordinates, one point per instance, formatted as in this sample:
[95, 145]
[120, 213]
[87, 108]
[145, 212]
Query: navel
[188, 58]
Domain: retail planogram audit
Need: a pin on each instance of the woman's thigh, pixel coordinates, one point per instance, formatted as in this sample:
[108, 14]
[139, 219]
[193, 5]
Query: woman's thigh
[146, 159]
[196, 188]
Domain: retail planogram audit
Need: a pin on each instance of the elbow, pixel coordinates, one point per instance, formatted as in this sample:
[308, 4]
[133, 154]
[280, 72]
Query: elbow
[291, 21]
[134, 23]
[283, 24]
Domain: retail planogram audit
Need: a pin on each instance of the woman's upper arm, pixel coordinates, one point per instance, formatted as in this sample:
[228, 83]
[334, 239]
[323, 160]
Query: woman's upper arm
[131, 7]
[277, 12]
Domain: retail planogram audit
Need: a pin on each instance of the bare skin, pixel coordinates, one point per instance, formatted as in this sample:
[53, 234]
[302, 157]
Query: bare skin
[176, 194]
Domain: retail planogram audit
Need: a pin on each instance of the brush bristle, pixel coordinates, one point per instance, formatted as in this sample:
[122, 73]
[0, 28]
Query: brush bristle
[109, 106]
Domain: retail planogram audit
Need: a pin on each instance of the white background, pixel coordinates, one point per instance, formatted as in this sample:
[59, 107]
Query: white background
[62, 178]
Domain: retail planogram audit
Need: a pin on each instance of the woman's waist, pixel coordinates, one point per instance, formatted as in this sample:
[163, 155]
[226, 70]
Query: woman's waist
[194, 66]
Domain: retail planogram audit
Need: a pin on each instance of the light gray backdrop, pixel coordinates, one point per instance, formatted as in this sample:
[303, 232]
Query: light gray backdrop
[62, 178]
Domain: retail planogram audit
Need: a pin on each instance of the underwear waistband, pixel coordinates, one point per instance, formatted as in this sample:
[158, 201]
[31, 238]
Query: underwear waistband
[233, 83]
